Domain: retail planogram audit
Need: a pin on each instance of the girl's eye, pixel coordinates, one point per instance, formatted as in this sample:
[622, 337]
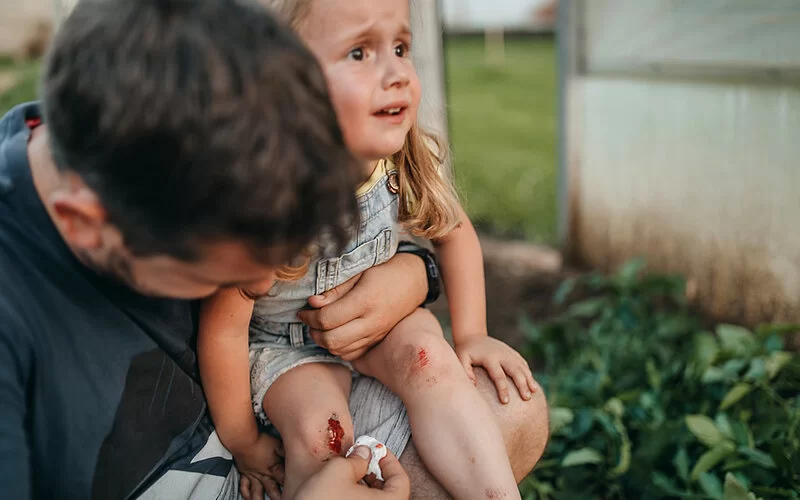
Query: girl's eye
[401, 50]
[356, 54]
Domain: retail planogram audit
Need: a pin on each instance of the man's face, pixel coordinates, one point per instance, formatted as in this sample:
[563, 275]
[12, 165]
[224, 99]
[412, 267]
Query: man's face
[83, 222]
[222, 265]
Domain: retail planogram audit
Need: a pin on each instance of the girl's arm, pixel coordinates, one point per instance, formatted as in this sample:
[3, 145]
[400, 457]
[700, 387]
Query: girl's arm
[224, 367]
[461, 264]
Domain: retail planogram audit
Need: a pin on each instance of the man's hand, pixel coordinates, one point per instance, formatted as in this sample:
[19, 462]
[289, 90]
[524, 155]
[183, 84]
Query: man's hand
[353, 317]
[261, 468]
[340, 478]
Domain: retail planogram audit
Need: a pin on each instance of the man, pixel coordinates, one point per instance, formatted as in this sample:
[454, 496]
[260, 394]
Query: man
[184, 146]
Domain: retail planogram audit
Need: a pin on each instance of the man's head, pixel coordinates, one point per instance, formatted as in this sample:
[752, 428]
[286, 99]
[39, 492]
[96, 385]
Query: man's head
[198, 143]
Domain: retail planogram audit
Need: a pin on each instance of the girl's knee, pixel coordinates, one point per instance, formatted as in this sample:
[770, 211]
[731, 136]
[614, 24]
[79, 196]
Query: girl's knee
[427, 361]
[319, 437]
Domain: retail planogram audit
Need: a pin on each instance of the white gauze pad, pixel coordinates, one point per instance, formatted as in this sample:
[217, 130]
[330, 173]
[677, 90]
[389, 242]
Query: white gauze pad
[378, 452]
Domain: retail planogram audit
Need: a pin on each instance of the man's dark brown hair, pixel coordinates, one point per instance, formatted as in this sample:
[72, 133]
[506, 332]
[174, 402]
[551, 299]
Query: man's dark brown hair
[196, 121]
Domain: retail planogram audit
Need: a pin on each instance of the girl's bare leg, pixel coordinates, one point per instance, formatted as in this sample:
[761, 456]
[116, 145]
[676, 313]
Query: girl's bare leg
[309, 407]
[454, 429]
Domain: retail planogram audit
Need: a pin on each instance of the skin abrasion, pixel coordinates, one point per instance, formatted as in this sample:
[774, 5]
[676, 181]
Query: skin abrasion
[335, 434]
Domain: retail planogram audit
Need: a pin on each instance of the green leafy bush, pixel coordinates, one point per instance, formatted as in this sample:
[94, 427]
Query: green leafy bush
[647, 402]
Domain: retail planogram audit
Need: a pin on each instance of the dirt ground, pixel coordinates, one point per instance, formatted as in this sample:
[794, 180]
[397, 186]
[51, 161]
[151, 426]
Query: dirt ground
[521, 279]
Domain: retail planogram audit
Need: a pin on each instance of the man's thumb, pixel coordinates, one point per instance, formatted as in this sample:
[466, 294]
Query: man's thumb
[359, 461]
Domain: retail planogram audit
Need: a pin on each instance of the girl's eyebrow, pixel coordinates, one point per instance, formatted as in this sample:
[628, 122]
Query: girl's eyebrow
[365, 31]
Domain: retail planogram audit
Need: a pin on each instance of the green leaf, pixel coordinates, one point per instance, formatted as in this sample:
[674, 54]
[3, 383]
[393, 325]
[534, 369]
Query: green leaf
[734, 490]
[724, 425]
[711, 485]
[564, 289]
[628, 274]
[583, 456]
[757, 371]
[733, 367]
[665, 484]
[713, 375]
[704, 430]
[653, 376]
[734, 395]
[711, 458]
[681, 462]
[758, 457]
[736, 340]
[560, 418]
[776, 362]
[587, 308]
[742, 434]
[705, 349]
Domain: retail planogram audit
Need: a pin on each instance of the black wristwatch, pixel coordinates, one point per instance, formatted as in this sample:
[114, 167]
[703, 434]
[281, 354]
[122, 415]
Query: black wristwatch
[431, 269]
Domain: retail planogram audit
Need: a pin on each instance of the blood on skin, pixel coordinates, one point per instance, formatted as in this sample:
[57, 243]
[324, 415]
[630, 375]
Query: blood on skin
[422, 358]
[335, 435]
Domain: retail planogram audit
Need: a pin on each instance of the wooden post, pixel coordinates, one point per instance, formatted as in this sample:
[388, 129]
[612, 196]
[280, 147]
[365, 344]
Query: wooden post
[62, 8]
[428, 57]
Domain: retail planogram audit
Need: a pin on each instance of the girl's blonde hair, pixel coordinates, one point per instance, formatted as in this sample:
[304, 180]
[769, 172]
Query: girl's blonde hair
[429, 205]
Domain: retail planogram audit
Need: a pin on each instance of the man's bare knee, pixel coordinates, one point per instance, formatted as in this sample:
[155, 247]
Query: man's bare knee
[525, 424]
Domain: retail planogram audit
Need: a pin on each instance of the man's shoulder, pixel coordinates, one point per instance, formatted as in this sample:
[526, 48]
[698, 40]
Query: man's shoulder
[13, 150]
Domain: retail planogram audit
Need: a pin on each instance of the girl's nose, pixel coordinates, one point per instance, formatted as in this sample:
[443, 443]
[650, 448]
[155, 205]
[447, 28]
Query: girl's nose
[396, 73]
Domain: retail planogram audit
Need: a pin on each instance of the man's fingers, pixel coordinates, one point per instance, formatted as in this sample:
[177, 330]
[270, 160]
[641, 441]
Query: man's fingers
[497, 374]
[272, 489]
[244, 487]
[331, 296]
[279, 473]
[359, 462]
[395, 479]
[334, 315]
[343, 339]
[256, 490]
[373, 482]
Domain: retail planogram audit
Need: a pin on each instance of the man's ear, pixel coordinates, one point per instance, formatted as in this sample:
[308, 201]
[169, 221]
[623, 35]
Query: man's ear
[80, 216]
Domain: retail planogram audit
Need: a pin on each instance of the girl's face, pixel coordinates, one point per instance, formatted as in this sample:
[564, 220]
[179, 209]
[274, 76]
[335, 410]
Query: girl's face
[364, 49]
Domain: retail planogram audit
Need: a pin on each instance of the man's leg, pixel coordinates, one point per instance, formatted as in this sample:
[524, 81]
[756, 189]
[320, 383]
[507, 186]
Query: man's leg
[525, 427]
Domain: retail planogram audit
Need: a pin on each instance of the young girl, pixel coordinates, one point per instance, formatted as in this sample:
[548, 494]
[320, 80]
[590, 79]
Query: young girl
[301, 389]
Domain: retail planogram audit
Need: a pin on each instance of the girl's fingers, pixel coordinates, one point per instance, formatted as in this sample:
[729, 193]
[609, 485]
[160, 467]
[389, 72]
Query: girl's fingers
[517, 374]
[498, 375]
[466, 362]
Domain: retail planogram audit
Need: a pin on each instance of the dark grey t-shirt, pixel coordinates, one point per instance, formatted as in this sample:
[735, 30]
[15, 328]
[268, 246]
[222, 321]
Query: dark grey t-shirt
[99, 393]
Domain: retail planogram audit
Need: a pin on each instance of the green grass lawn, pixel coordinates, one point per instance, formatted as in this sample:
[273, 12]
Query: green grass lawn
[26, 75]
[503, 131]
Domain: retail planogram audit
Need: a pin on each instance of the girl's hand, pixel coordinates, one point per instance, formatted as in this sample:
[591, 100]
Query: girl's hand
[499, 360]
[261, 468]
